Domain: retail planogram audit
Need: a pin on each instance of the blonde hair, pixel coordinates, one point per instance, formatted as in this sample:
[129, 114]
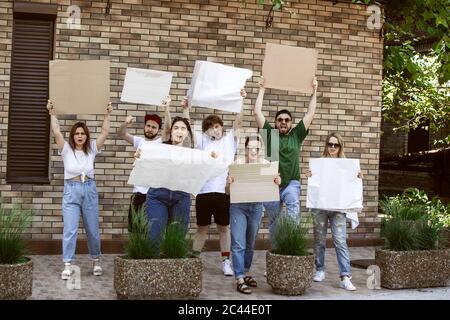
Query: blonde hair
[341, 153]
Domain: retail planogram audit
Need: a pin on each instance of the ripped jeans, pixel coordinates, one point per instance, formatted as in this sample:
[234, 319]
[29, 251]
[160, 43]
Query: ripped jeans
[339, 234]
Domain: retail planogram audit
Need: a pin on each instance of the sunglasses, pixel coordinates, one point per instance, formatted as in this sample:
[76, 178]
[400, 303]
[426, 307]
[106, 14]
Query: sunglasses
[287, 120]
[333, 145]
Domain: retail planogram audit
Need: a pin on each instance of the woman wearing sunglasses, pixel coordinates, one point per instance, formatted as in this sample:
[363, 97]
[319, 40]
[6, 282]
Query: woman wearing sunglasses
[334, 148]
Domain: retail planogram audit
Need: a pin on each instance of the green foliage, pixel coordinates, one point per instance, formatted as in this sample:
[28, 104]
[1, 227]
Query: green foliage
[412, 221]
[138, 245]
[174, 244]
[277, 4]
[398, 235]
[12, 224]
[290, 237]
[416, 85]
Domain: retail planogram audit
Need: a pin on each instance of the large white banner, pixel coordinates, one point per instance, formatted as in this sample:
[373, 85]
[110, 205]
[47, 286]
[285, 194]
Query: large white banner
[175, 168]
[334, 185]
[146, 86]
[217, 86]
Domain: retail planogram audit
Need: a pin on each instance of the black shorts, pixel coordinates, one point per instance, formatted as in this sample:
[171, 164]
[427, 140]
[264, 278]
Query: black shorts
[137, 201]
[209, 204]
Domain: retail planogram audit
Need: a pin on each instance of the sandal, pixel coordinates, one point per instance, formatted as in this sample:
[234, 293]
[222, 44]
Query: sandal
[243, 288]
[248, 280]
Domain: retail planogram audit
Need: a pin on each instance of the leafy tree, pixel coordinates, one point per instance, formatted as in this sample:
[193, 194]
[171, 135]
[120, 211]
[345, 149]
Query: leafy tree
[416, 83]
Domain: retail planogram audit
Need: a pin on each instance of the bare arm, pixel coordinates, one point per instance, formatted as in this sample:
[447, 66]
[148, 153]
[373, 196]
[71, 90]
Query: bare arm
[105, 128]
[167, 119]
[260, 119]
[307, 119]
[59, 138]
[237, 124]
[123, 133]
[185, 106]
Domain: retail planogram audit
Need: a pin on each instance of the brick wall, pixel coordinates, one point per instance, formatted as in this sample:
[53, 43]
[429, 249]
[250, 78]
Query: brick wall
[171, 36]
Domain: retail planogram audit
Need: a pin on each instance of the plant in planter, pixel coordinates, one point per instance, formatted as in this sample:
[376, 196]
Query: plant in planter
[16, 270]
[413, 256]
[149, 272]
[290, 265]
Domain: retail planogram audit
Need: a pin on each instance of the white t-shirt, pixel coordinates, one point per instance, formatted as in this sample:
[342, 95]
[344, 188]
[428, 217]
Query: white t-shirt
[77, 163]
[226, 149]
[137, 141]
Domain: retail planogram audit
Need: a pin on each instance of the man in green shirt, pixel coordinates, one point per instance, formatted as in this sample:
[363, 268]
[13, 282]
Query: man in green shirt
[290, 140]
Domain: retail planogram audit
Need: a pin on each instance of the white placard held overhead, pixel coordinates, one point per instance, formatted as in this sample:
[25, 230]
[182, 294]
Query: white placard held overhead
[146, 86]
[334, 185]
[217, 86]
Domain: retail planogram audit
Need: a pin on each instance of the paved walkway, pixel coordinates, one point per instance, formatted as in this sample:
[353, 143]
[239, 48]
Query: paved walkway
[48, 285]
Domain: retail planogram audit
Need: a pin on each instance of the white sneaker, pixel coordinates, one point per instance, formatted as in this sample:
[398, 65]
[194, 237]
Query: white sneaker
[98, 271]
[67, 272]
[347, 284]
[319, 276]
[226, 267]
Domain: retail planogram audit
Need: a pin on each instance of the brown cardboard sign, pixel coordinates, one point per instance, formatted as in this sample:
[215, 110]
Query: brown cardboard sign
[289, 68]
[79, 87]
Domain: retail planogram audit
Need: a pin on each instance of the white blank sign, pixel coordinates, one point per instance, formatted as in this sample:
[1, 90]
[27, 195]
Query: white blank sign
[146, 86]
[217, 86]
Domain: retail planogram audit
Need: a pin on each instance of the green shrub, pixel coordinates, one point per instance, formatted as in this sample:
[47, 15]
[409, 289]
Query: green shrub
[398, 235]
[138, 245]
[427, 236]
[412, 221]
[12, 224]
[174, 244]
[289, 237]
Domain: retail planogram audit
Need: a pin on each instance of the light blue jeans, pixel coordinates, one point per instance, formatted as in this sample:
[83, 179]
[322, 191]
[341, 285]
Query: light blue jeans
[339, 234]
[163, 206]
[290, 196]
[80, 197]
[245, 219]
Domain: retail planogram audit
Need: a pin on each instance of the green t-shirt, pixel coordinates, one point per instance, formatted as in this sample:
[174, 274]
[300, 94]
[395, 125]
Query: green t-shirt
[289, 155]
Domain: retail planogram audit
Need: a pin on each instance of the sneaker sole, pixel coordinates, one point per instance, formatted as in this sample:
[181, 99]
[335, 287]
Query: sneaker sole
[347, 289]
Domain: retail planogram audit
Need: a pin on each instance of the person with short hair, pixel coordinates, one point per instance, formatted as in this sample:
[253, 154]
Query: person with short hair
[290, 141]
[212, 200]
[152, 127]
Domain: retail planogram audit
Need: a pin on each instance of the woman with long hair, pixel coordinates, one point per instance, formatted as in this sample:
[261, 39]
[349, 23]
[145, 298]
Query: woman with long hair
[334, 148]
[164, 205]
[80, 192]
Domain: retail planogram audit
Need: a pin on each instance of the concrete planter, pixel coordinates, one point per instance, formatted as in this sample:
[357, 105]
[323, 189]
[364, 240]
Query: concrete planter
[413, 269]
[289, 275]
[158, 279]
[16, 281]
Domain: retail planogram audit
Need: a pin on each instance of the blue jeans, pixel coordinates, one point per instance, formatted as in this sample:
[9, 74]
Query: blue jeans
[339, 233]
[163, 206]
[290, 196]
[80, 197]
[245, 219]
